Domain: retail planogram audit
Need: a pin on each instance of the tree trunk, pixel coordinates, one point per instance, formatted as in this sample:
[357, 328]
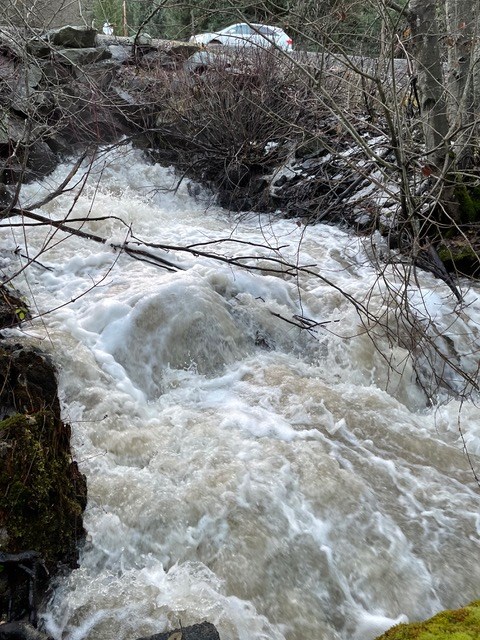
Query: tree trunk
[430, 83]
[462, 37]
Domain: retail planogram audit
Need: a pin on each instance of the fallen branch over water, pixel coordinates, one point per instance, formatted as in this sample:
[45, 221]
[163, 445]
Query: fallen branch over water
[87, 235]
[139, 249]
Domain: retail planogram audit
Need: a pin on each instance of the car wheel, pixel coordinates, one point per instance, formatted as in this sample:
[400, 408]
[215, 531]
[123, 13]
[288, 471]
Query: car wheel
[214, 43]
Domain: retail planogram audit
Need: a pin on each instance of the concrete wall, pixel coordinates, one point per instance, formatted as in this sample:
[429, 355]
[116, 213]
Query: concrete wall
[46, 13]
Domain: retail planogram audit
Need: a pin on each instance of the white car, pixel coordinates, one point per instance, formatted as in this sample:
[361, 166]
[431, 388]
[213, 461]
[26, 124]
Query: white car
[246, 35]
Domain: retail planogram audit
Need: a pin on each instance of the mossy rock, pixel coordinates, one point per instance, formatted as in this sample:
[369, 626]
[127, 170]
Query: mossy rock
[42, 492]
[457, 624]
[468, 199]
[461, 255]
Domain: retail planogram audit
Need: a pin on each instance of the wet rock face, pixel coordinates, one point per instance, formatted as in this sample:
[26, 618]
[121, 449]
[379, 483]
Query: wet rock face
[42, 492]
[21, 631]
[28, 382]
[22, 578]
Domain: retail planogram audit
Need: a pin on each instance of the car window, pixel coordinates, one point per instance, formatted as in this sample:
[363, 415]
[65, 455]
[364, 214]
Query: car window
[239, 29]
[267, 31]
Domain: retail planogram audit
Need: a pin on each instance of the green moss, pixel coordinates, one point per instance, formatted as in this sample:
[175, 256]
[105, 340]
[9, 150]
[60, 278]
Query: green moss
[456, 253]
[468, 200]
[42, 494]
[458, 624]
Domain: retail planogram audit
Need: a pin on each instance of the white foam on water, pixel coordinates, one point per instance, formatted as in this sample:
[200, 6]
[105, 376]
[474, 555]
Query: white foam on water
[280, 483]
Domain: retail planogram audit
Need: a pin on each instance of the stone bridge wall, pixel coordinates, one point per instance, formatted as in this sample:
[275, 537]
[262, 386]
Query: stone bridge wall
[43, 14]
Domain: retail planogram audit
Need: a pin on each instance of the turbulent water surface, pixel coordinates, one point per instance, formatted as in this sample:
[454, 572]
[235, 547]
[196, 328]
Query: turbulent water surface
[280, 483]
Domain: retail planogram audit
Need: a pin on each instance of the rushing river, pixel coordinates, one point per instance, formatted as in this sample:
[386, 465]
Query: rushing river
[280, 483]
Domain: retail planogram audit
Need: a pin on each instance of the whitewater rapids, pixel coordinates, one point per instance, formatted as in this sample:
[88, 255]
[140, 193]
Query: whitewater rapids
[280, 483]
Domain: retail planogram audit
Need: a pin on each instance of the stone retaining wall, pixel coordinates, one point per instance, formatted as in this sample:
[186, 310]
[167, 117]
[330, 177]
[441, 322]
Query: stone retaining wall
[44, 14]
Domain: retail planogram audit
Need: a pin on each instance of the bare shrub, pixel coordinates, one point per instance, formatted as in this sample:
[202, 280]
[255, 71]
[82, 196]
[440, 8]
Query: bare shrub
[230, 117]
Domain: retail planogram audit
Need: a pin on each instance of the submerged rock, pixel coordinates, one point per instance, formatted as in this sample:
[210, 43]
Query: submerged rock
[458, 624]
[20, 631]
[202, 631]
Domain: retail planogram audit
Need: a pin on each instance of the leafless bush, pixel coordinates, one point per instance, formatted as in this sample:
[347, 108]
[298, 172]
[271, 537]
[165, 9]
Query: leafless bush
[230, 117]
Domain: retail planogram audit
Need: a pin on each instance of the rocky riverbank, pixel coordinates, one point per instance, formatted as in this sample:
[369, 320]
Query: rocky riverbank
[60, 93]
[221, 117]
[246, 126]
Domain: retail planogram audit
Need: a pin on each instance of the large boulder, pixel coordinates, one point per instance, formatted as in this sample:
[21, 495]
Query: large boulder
[82, 56]
[457, 624]
[42, 492]
[76, 37]
[120, 53]
[32, 161]
[179, 51]
[33, 158]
